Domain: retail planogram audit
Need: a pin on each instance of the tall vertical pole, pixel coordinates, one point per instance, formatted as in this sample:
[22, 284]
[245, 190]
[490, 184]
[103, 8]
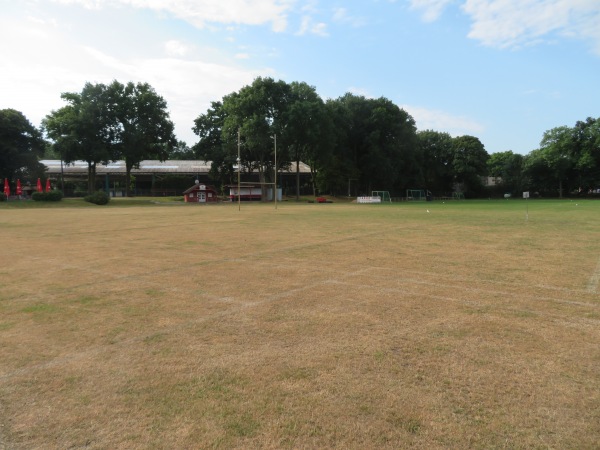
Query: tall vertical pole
[275, 185]
[239, 170]
[62, 176]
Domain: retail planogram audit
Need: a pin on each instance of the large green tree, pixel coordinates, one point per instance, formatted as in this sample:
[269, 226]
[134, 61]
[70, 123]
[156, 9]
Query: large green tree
[21, 144]
[586, 152]
[307, 130]
[376, 144]
[508, 168]
[542, 180]
[106, 123]
[557, 149]
[437, 154]
[84, 129]
[247, 120]
[142, 128]
[568, 159]
[257, 112]
[469, 163]
[212, 147]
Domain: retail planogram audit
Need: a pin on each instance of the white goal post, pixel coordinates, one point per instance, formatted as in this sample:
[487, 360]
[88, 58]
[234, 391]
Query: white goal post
[415, 194]
[383, 195]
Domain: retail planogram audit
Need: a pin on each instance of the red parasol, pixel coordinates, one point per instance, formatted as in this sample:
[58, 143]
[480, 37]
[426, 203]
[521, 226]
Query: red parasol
[48, 185]
[19, 190]
[6, 188]
[39, 185]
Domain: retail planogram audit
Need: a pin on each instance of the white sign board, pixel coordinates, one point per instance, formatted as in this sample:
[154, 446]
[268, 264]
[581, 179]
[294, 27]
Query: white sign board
[526, 194]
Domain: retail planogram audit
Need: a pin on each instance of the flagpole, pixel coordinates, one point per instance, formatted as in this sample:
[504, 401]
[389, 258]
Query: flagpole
[239, 169]
[275, 186]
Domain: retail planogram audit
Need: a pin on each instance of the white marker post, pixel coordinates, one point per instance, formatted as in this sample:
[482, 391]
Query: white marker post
[526, 197]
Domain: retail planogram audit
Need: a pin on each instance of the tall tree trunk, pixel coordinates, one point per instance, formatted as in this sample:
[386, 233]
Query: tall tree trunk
[560, 188]
[91, 177]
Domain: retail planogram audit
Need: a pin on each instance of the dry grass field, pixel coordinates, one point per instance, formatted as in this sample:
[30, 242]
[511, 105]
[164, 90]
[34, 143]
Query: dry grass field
[310, 326]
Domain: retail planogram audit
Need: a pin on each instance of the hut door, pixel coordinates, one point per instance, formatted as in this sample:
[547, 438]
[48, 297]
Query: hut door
[202, 197]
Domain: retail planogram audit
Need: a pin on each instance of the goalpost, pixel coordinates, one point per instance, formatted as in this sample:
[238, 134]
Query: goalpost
[415, 194]
[383, 195]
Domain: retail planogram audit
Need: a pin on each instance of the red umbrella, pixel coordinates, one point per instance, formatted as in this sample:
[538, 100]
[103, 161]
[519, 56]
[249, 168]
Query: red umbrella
[19, 190]
[6, 188]
[39, 185]
[48, 185]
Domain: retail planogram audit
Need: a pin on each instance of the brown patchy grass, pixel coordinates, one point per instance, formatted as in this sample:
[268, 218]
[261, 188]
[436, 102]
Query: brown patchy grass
[312, 326]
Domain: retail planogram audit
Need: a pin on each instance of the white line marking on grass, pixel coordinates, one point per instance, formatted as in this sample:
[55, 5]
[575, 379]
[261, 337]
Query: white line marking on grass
[594, 279]
[507, 294]
[455, 278]
[236, 308]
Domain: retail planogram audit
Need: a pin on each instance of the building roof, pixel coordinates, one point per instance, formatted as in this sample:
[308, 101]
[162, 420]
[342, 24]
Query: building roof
[146, 167]
[196, 187]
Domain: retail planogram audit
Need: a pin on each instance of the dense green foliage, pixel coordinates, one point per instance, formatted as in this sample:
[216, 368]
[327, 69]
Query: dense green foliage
[568, 159]
[107, 123]
[355, 144]
[51, 196]
[352, 144]
[143, 128]
[98, 198]
[82, 130]
[375, 146]
[21, 144]
[452, 164]
[508, 168]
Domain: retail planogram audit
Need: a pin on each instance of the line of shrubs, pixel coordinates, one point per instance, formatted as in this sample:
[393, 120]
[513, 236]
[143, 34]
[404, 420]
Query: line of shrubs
[51, 196]
[98, 197]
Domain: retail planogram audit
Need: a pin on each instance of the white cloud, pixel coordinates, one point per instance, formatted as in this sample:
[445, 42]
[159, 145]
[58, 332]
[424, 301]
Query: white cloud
[341, 15]
[432, 9]
[176, 48]
[309, 26]
[47, 63]
[515, 23]
[201, 12]
[511, 23]
[187, 86]
[432, 119]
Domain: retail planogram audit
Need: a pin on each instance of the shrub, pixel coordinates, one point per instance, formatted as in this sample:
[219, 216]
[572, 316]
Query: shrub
[52, 196]
[98, 198]
[2, 198]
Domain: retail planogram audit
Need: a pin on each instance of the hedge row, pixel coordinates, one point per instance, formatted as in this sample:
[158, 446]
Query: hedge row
[52, 196]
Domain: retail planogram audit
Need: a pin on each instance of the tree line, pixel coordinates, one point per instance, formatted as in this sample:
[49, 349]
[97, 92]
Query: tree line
[352, 144]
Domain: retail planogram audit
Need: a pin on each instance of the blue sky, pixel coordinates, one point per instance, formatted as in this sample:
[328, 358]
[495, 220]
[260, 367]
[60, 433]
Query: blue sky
[502, 70]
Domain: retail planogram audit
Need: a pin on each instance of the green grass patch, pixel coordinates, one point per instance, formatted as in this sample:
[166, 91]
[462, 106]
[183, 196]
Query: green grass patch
[40, 309]
[6, 325]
